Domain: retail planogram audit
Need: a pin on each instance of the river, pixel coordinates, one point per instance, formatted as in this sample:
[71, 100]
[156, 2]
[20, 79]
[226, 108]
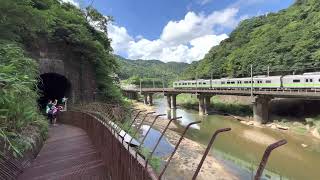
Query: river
[241, 149]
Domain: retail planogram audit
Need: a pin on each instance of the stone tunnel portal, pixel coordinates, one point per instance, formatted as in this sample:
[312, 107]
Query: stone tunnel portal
[53, 86]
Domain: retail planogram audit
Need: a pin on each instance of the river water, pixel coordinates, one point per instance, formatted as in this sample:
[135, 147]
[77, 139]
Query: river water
[240, 150]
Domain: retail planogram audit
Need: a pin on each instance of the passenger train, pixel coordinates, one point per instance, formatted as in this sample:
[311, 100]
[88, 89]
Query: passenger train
[304, 81]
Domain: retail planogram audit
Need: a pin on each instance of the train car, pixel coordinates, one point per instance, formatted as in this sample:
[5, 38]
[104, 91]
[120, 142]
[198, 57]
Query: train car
[184, 84]
[259, 82]
[305, 81]
[267, 82]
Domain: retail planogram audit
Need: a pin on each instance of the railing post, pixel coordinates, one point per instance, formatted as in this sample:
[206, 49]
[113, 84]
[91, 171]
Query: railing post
[139, 127]
[144, 138]
[207, 150]
[163, 132]
[131, 123]
[177, 145]
[266, 156]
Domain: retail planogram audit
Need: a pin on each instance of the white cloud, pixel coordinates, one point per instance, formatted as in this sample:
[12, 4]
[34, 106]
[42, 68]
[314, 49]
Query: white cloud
[120, 38]
[73, 2]
[193, 25]
[185, 40]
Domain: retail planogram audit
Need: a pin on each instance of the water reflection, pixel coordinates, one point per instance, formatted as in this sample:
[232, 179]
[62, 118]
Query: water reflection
[164, 148]
[182, 122]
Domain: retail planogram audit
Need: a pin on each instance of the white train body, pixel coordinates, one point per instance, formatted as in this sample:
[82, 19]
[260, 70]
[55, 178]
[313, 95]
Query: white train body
[305, 81]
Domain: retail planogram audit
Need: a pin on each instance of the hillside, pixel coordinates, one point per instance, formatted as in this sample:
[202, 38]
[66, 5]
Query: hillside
[287, 41]
[25, 26]
[149, 68]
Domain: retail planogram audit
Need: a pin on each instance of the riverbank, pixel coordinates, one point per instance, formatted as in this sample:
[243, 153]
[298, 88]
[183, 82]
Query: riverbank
[240, 109]
[188, 155]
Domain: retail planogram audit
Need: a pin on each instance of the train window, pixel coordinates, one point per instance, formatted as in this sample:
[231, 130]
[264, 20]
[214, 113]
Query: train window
[311, 80]
[222, 82]
[296, 80]
[268, 81]
[204, 83]
[228, 82]
[179, 83]
[307, 80]
[319, 80]
[232, 82]
[246, 82]
[188, 83]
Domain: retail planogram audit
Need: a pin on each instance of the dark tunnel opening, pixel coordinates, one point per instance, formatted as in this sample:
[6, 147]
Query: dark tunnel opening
[52, 86]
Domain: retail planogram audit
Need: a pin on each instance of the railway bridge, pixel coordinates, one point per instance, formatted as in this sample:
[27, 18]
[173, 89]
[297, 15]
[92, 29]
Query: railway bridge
[260, 98]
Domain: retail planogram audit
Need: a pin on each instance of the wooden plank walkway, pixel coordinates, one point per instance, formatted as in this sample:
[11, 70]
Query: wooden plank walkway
[67, 154]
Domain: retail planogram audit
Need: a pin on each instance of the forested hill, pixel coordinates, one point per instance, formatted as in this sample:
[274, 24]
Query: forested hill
[149, 68]
[287, 41]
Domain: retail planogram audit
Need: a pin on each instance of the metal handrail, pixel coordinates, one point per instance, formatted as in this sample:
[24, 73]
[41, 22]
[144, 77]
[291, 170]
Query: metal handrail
[176, 147]
[207, 150]
[163, 132]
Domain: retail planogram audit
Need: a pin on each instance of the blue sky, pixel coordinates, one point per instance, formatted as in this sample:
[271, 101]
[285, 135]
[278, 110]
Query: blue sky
[176, 30]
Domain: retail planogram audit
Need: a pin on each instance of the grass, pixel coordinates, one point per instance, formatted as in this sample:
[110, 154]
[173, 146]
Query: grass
[155, 162]
[191, 102]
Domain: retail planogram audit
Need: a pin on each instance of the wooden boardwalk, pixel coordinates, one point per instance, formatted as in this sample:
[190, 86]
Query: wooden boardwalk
[68, 153]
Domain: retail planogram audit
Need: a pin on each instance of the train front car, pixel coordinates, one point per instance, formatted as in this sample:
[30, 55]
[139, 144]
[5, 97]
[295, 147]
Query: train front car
[304, 81]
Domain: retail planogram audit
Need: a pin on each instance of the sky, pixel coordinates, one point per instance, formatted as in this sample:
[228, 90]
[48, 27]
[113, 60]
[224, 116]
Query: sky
[175, 30]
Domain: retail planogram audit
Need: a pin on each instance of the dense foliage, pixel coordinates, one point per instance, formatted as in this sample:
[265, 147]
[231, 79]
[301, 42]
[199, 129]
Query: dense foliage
[81, 32]
[149, 70]
[24, 26]
[18, 99]
[287, 41]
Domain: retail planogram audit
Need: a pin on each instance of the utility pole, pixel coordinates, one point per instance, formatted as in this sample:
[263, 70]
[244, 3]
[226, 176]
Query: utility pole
[140, 86]
[163, 83]
[196, 83]
[211, 79]
[268, 71]
[153, 83]
[251, 81]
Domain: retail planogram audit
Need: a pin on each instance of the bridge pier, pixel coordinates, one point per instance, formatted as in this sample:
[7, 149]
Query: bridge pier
[168, 96]
[261, 109]
[145, 99]
[204, 103]
[174, 101]
[150, 99]
[171, 101]
[201, 104]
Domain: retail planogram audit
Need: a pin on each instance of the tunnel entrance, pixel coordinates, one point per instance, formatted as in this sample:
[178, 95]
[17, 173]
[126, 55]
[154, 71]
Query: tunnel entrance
[53, 86]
